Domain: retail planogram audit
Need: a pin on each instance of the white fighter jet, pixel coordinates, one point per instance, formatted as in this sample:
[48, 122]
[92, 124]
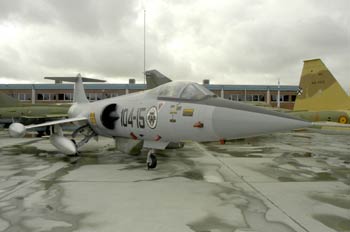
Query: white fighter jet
[160, 118]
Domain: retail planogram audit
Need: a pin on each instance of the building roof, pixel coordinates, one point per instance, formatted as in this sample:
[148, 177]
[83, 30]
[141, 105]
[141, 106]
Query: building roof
[253, 87]
[142, 86]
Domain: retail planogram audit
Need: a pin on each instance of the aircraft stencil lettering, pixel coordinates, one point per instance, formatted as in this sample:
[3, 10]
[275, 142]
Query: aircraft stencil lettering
[128, 118]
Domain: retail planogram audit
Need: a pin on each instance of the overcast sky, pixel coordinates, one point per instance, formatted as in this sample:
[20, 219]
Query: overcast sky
[226, 41]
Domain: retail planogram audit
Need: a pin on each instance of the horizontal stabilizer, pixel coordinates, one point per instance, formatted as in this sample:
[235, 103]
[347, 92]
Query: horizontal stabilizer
[74, 79]
[154, 78]
[79, 95]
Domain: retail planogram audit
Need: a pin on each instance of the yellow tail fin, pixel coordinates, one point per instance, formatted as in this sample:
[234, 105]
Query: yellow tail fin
[319, 90]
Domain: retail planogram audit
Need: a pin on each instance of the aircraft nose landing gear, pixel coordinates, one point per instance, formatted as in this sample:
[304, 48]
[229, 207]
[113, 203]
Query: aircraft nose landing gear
[151, 159]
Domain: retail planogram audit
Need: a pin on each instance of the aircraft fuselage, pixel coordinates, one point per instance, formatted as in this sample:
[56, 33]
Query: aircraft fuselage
[174, 120]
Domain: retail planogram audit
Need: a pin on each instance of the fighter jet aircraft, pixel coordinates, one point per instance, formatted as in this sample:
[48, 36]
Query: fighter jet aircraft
[160, 118]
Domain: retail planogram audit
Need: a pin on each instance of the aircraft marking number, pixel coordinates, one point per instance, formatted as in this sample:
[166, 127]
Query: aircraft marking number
[129, 118]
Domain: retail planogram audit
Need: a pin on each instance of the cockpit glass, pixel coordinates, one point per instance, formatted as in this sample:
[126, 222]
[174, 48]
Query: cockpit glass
[191, 92]
[171, 90]
[182, 90]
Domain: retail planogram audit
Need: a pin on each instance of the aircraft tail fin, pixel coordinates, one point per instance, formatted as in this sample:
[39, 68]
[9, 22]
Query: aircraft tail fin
[319, 90]
[79, 95]
[154, 78]
[7, 101]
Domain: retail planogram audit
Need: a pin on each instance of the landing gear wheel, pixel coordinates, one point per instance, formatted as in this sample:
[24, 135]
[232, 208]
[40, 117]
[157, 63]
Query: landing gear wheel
[151, 161]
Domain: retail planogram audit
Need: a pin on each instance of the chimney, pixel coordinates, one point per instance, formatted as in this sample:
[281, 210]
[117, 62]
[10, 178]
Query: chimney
[132, 81]
[206, 82]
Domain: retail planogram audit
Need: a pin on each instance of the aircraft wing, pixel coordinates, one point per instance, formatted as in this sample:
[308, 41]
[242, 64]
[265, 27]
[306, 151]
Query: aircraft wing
[46, 116]
[62, 121]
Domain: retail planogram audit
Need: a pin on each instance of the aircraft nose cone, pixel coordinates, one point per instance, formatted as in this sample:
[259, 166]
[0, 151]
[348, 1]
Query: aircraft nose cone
[239, 121]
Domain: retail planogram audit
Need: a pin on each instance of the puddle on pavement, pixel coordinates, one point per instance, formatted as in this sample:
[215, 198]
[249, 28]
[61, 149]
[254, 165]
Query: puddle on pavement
[211, 223]
[338, 200]
[177, 163]
[253, 212]
[335, 222]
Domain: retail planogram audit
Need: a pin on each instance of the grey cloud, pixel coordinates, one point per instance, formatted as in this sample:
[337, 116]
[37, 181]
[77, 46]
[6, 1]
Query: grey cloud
[229, 41]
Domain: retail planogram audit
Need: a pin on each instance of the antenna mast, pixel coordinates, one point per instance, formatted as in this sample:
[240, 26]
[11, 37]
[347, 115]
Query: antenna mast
[144, 47]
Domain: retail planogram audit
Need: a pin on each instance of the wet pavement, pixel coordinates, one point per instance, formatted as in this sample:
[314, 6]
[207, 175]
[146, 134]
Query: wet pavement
[298, 181]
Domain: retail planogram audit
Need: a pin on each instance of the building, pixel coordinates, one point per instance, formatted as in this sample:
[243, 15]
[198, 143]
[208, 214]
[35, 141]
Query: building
[63, 93]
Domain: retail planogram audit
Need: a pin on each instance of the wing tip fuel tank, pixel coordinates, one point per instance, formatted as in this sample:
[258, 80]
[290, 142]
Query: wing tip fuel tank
[17, 130]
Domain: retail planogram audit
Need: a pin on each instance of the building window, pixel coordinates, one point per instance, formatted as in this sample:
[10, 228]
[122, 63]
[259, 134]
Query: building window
[60, 96]
[14, 95]
[107, 95]
[39, 97]
[273, 98]
[43, 97]
[98, 96]
[24, 96]
[286, 98]
[21, 96]
[68, 97]
[91, 96]
[249, 97]
[28, 96]
[293, 97]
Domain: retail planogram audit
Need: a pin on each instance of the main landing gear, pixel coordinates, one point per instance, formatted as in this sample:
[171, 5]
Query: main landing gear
[87, 132]
[151, 159]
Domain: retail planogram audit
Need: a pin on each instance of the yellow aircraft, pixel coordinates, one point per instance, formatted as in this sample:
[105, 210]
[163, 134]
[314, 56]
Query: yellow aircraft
[320, 96]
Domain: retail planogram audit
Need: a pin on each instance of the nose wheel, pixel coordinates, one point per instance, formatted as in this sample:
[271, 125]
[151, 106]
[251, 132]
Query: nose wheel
[151, 160]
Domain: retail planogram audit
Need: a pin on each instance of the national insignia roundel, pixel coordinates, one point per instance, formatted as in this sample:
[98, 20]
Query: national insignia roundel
[152, 117]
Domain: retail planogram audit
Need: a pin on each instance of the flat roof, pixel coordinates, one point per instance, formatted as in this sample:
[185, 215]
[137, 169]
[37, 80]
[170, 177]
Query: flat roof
[142, 86]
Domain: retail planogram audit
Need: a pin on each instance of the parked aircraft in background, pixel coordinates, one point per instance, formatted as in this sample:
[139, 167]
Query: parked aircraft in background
[320, 96]
[159, 118]
[11, 110]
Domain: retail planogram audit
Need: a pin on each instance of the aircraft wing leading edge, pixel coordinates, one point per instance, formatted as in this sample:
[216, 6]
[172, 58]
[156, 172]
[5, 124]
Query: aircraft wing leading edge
[57, 122]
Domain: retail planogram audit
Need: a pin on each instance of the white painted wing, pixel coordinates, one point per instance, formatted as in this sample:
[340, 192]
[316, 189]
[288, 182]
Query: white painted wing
[62, 121]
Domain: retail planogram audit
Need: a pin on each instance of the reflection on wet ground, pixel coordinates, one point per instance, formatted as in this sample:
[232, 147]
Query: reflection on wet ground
[280, 182]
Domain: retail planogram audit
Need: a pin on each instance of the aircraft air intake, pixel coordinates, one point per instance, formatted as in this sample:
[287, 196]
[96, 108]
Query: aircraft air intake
[109, 116]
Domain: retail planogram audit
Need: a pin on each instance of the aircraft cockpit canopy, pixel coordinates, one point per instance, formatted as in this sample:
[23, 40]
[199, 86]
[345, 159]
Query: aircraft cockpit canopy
[183, 90]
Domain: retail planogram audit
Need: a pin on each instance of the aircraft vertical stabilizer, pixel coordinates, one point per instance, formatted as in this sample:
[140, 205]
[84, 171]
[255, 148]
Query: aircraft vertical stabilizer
[79, 95]
[319, 90]
[154, 78]
[79, 92]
